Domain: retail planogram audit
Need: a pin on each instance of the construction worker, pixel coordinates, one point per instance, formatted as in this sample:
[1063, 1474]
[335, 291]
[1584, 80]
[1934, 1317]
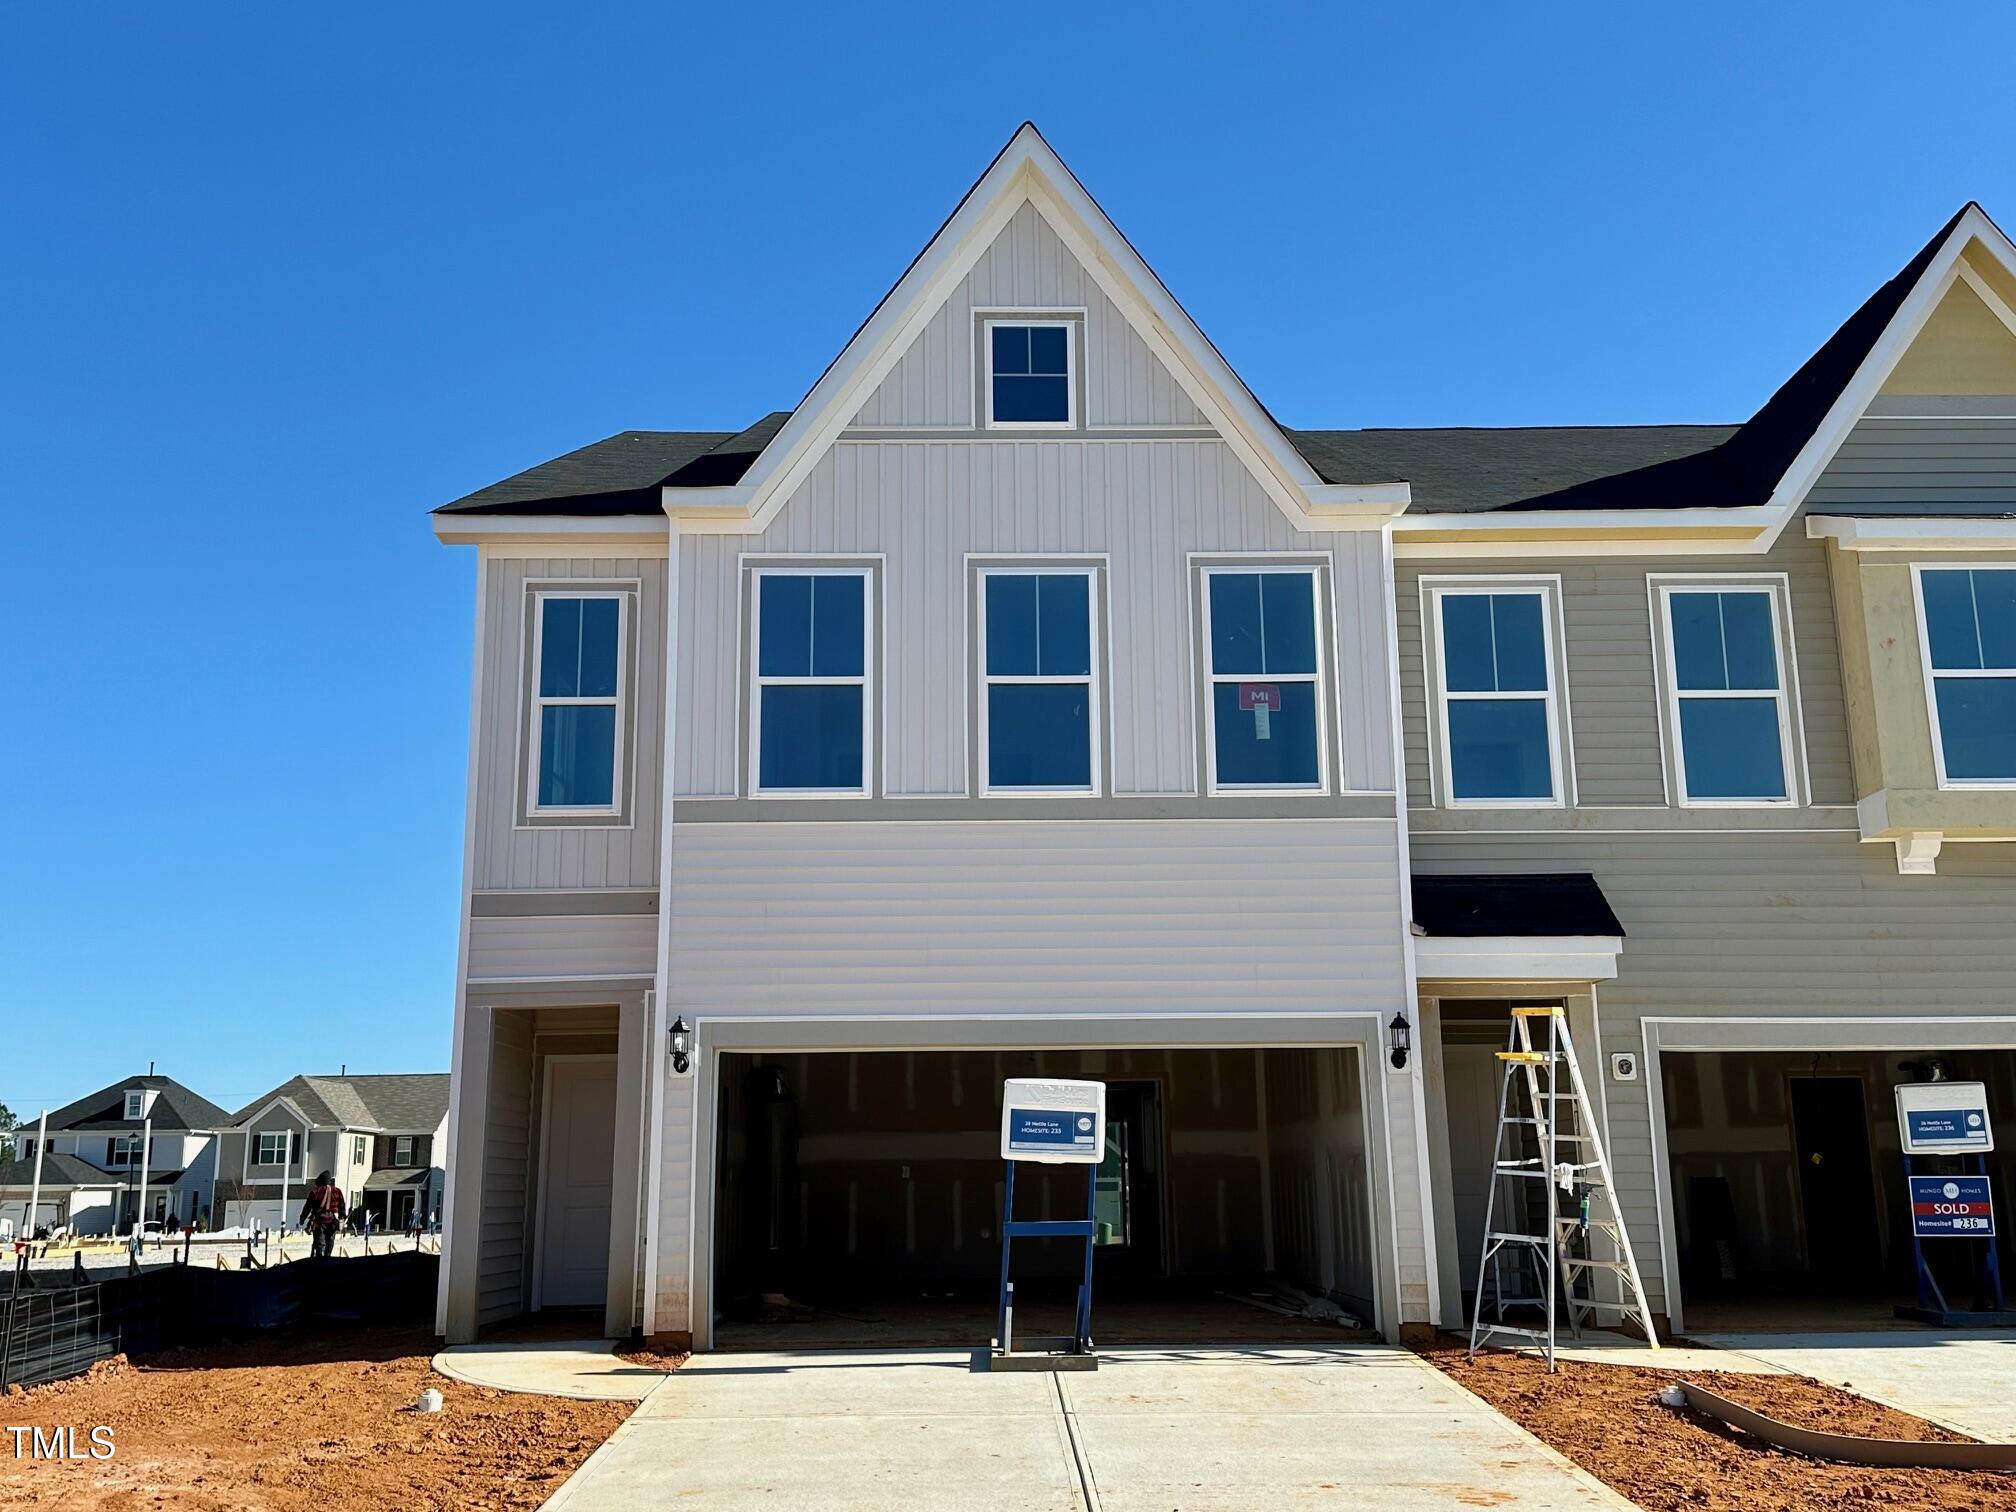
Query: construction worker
[321, 1213]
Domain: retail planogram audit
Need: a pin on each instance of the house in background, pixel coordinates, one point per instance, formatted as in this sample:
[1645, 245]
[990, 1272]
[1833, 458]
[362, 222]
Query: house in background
[382, 1138]
[93, 1165]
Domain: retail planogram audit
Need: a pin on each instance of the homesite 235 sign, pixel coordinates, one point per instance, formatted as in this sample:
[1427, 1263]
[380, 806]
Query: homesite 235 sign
[1054, 1122]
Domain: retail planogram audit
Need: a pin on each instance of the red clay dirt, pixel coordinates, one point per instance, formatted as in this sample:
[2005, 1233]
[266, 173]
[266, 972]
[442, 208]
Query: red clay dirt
[288, 1424]
[1607, 1419]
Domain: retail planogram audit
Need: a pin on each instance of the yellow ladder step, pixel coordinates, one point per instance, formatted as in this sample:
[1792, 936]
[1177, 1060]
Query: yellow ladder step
[1525, 1057]
[1535, 1012]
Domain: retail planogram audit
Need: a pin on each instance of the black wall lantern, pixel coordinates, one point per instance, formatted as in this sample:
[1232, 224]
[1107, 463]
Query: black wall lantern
[682, 1046]
[1400, 1035]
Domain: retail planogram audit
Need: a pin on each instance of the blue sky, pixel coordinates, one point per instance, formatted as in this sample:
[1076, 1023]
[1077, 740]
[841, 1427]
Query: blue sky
[278, 279]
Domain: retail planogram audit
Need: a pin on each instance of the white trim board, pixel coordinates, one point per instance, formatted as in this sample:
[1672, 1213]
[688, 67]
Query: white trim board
[1517, 958]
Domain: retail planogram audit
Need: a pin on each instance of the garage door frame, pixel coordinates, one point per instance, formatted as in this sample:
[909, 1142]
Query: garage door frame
[1360, 1031]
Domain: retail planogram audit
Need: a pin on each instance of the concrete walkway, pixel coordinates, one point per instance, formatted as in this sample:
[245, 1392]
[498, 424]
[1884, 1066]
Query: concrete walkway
[1963, 1380]
[1151, 1430]
[586, 1368]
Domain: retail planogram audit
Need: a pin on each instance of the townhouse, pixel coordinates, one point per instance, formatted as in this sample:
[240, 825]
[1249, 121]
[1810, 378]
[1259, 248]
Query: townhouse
[1027, 700]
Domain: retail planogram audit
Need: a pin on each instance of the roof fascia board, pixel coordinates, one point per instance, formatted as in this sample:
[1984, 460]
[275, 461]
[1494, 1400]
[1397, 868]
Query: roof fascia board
[1029, 169]
[1907, 533]
[1939, 277]
[244, 1125]
[1582, 533]
[573, 530]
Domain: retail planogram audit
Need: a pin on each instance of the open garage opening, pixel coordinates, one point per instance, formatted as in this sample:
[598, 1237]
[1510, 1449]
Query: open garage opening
[1790, 1205]
[858, 1198]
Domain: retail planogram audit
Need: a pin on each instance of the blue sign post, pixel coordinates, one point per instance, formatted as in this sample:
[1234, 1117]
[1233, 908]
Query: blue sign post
[1051, 1123]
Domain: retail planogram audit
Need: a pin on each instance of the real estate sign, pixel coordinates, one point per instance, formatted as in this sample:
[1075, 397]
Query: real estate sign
[1952, 1207]
[1943, 1118]
[1053, 1122]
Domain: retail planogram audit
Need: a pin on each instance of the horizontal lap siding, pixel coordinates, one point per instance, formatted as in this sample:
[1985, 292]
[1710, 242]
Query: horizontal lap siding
[1951, 464]
[507, 856]
[1027, 267]
[1613, 690]
[575, 945]
[926, 505]
[502, 1232]
[1766, 926]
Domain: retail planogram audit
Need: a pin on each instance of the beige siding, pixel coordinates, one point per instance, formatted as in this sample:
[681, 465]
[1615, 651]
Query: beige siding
[671, 1240]
[1933, 455]
[502, 1237]
[1789, 925]
[1613, 692]
[508, 854]
[1027, 267]
[924, 506]
[568, 946]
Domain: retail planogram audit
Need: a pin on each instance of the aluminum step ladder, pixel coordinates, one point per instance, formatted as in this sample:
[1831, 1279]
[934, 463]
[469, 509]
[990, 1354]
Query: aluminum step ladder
[1567, 1160]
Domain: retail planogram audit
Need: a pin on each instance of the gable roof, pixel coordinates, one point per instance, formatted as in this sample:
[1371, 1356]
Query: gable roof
[58, 1172]
[405, 1101]
[175, 1109]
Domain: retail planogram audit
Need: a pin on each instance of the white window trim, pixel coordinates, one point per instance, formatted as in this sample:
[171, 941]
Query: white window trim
[136, 1103]
[1547, 588]
[539, 702]
[758, 682]
[1951, 784]
[1095, 701]
[286, 1138]
[123, 1152]
[1776, 588]
[411, 1144]
[1027, 322]
[1212, 677]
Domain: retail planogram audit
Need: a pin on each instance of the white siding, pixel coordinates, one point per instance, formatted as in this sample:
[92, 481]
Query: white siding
[925, 505]
[673, 1251]
[1027, 267]
[510, 856]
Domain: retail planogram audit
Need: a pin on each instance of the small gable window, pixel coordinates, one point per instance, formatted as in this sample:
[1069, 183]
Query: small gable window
[135, 1102]
[1029, 374]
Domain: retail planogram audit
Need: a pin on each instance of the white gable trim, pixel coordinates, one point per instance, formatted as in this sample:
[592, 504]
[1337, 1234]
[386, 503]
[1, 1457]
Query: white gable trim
[1028, 170]
[1913, 533]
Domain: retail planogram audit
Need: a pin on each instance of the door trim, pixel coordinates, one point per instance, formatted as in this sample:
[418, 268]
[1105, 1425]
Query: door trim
[545, 1160]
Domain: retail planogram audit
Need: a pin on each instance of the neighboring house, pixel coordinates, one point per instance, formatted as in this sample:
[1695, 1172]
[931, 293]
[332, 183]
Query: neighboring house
[99, 1149]
[381, 1138]
[1027, 699]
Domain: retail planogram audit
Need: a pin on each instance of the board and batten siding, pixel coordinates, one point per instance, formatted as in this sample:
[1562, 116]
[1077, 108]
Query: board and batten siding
[1613, 690]
[1934, 454]
[1747, 925]
[924, 506]
[508, 854]
[1027, 268]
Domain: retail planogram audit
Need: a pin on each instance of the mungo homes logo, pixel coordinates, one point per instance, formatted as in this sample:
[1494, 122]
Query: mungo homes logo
[61, 1443]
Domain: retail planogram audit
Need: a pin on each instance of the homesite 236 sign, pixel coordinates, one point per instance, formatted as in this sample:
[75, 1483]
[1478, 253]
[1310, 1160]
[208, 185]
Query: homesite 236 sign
[1951, 1207]
[1054, 1122]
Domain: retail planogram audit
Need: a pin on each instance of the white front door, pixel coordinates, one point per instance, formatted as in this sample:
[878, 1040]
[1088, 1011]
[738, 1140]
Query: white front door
[576, 1168]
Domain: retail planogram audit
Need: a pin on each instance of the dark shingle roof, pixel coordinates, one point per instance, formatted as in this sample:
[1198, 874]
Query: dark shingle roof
[1548, 903]
[413, 1101]
[57, 1171]
[1450, 470]
[176, 1108]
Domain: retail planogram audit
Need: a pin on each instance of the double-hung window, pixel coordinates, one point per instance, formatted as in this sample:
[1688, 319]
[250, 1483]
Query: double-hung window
[577, 703]
[1727, 704]
[1039, 714]
[136, 1103]
[809, 724]
[274, 1148]
[1968, 619]
[1029, 374]
[1499, 727]
[1264, 665]
[123, 1150]
[402, 1150]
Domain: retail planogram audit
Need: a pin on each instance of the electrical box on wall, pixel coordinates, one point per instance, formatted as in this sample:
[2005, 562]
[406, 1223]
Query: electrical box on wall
[1624, 1066]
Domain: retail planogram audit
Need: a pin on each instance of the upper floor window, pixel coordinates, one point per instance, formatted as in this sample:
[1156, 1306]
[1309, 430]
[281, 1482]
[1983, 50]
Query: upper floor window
[135, 1102]
[1968, 617]
[402, 1150]
[276, 1147]
[1039, 688]
[123, 1151]
[1500, 728]
[357, 1150]
[577, 702]
[1728, 708]
[1030, 381]
[809, 725]
[1263, 660]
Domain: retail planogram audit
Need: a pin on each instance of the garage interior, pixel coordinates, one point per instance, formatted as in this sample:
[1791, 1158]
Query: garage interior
[1789, 1200]
[858, 1198]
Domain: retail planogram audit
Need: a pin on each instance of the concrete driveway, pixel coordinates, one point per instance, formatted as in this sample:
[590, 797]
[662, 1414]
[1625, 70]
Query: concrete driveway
[1190, 1429]
[1962, 1379]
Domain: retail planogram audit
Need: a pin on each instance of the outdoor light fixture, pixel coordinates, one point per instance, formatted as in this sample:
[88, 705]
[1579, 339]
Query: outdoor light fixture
[1399, 1034]
[682, 1046]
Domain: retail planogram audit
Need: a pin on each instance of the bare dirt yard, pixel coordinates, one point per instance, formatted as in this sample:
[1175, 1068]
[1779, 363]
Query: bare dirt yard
[1606, 1418]
[284, 1424]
